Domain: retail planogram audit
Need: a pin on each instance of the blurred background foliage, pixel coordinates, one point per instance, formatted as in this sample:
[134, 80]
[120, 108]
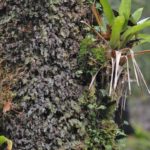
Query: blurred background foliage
[139, 101]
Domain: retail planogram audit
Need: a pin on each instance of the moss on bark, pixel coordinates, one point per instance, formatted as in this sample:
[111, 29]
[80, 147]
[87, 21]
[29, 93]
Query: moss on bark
[43, 38]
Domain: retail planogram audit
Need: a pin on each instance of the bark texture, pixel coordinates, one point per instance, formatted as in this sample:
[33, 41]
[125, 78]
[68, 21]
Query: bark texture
[40, 38]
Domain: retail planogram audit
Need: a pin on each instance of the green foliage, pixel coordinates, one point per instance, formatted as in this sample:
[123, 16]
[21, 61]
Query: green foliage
[84, 45]
[96, 51]
[107, 11]
[91, 55]
[3, 140]
[145, 38]
[98, 54]
[125, 9]
[101, 130]
[137, 14]
[124, 31]
[116, 31]
[102, 137]
[129, 33]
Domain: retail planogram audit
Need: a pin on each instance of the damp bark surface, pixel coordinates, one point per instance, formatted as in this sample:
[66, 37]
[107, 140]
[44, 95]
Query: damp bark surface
[42, 38]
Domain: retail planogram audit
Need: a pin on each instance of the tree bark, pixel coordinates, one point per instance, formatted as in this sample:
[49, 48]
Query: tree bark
[39, 49]
[42, 39]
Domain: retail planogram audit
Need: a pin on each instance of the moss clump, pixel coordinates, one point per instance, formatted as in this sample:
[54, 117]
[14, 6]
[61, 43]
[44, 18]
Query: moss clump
[98, 54]
[101, 130]
[91, 55]
[102, 136]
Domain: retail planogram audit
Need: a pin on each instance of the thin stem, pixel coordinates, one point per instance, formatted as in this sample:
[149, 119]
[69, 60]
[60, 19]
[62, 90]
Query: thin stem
[123, 58]
[139, 53]
[98, 34]
[97, 15]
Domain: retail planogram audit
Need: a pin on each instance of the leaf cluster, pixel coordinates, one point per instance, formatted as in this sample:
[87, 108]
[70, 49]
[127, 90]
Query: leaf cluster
[125, 26]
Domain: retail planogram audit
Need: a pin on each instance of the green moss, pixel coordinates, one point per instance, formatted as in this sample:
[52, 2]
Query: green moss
[101, 130]
[84, 47]
[98, 54]
[89, 47]
[102, 137]
[91, 55]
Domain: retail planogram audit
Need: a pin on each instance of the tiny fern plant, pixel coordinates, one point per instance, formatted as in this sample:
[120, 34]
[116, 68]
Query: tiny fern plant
[115, 35]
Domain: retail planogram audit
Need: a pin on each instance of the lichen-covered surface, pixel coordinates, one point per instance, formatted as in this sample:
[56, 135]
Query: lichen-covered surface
[41, 38]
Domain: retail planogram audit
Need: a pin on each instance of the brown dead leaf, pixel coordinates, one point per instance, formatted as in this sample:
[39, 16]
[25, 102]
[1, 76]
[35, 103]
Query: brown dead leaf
[7, 106]
[9, 145]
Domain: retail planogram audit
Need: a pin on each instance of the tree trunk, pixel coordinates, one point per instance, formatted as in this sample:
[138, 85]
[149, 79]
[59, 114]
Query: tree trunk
[42, 38]
[39, 49]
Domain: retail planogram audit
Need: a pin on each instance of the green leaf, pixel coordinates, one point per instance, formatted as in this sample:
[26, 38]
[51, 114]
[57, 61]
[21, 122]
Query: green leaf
[91, 106]
[107, 11]
[137, 14]
[102, 107]
[145, 38]
[143, 20]
[116, 31]
[125, 9]
[3, 140]
[135, 29]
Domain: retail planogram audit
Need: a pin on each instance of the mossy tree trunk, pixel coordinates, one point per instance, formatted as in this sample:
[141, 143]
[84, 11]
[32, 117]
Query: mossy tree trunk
[39, 46]
[42, 38]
